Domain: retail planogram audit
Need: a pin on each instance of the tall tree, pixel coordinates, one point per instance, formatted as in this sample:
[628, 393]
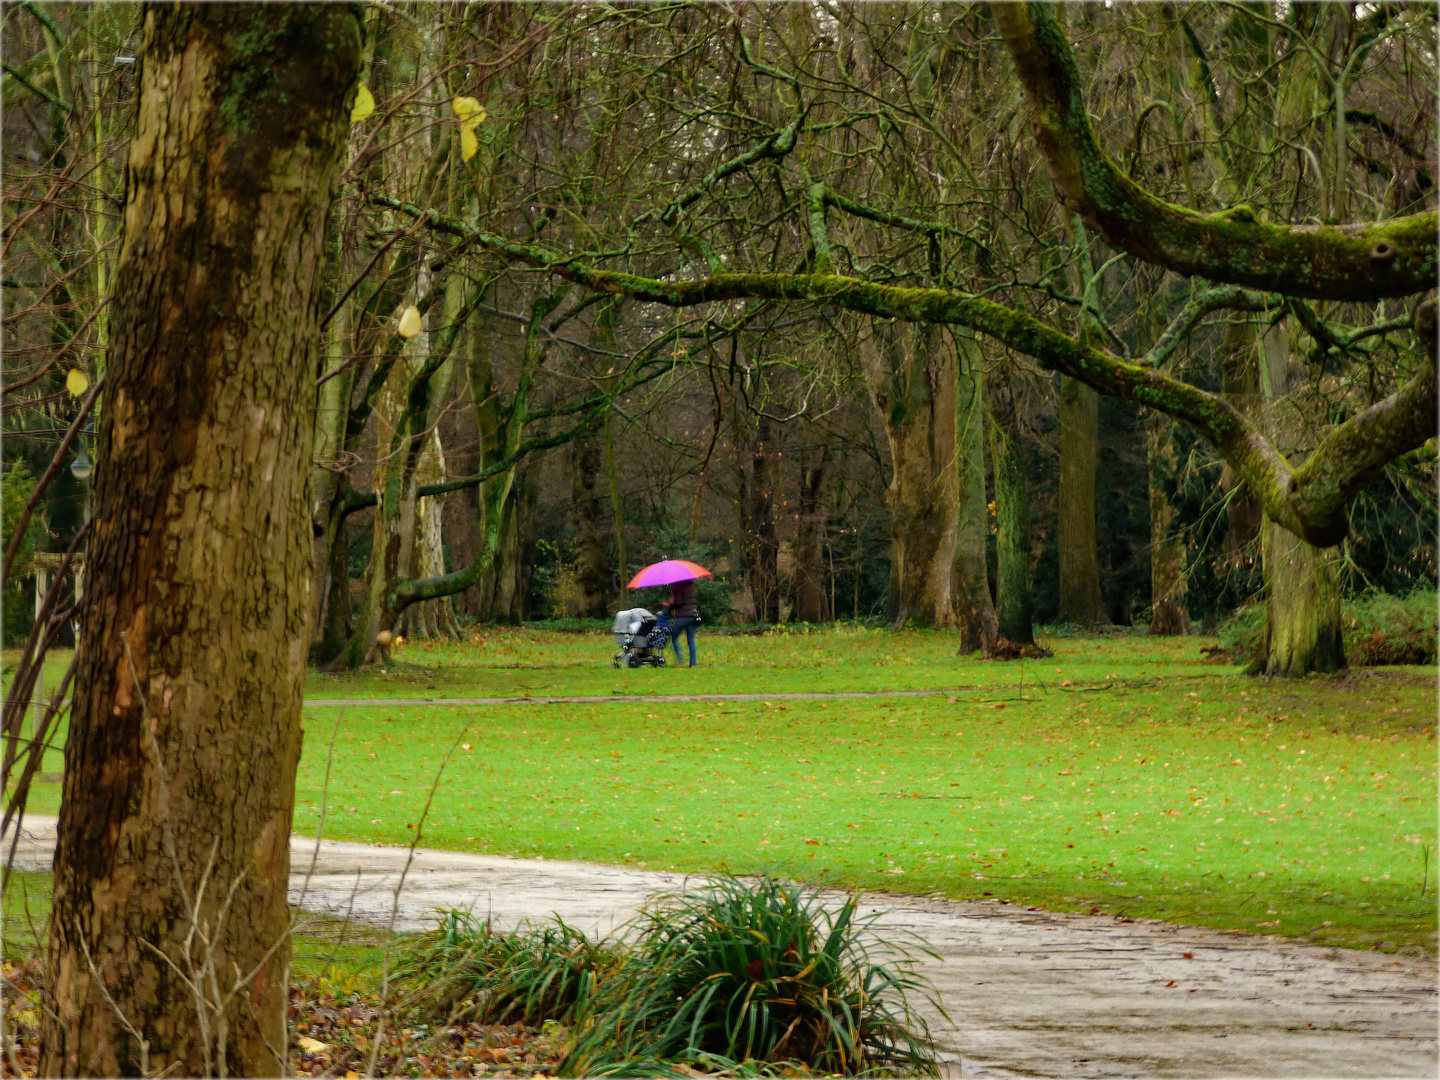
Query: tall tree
[1080, 600]
[1012, 512]
[974, 607]
[168, 946]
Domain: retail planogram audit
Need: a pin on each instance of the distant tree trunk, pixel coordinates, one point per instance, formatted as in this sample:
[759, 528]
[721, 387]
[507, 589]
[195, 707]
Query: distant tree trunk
[338, 618]
[1240, 386]
[1167, 552]
[462, 508]
[1012, 513]
[180, 762]
[910, 374]
[974, 607]
[430, 618]
[812, 600]
[762, 571]
[1080, 601]
[327, 481]
[590, 570]
[617, 511]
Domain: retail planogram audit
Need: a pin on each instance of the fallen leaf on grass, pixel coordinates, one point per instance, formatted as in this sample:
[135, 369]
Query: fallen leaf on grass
[311, 1046]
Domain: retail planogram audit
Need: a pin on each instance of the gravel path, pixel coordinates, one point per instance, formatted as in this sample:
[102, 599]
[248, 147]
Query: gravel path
[1030, 993]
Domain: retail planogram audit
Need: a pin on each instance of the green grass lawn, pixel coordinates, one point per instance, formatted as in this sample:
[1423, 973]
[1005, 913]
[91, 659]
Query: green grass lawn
[1152, 785]
[536, 663]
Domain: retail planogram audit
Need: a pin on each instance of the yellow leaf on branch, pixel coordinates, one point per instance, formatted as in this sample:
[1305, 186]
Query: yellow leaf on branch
[364, 104]
[469, 111]
[410, 322]
[77, 382]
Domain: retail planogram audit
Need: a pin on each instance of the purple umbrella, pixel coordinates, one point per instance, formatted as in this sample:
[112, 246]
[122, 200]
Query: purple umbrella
[667, 573]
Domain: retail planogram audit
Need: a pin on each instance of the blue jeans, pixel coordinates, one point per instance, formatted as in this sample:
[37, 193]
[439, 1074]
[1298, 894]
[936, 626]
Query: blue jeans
[688, 624]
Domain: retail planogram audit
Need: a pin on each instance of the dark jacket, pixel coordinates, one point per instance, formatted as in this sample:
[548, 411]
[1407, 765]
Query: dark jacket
[683, 601]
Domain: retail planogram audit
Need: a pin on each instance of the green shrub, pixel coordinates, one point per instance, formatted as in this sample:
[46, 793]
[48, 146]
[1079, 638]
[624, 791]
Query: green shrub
[1378, 628]
[1243, 634]
[745, 978]
[1381, 628]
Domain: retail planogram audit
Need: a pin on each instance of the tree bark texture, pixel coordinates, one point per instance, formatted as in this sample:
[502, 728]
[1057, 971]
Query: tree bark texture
[1080, 600]
[910, 374]
[1012, 514]
[1167, 552]
[974, 607]
[180, 763]
[1302, 583]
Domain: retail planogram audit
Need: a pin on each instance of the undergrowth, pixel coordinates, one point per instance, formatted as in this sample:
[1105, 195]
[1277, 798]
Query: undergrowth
[742, 978]
[1377, 628]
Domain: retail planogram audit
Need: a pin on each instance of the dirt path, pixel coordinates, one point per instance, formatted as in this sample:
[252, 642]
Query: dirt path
[1031, 993]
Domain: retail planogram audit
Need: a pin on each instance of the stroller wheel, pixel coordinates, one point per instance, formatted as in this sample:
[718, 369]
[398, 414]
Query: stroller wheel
[659, 661]
[632, 660]
[615, 661]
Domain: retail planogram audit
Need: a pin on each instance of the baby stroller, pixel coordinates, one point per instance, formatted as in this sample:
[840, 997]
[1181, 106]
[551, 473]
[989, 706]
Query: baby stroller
[641, 637]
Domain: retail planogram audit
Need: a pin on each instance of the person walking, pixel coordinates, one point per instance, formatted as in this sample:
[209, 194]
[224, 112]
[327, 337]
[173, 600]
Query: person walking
[684, 608]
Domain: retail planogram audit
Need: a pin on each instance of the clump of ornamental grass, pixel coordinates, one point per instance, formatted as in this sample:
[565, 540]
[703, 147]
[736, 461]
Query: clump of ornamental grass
[739, 977]
[467, 969]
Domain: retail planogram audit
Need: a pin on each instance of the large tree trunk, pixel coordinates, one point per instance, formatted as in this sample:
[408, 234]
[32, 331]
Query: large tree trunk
[1080, 601]
[812, 599]
[974, 607]
[910, 374]
[1012, 514]
[762, 544]
[173, 852]
[1302, 582]
[1167, 552]
[590, 570]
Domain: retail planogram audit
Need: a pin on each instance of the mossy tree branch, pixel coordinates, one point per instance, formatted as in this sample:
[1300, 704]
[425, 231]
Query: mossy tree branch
[1309, 500]
[1354, 262]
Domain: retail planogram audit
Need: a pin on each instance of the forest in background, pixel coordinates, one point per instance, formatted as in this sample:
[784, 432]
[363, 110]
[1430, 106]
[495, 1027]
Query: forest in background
[826, 464]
